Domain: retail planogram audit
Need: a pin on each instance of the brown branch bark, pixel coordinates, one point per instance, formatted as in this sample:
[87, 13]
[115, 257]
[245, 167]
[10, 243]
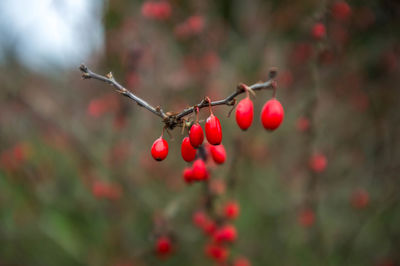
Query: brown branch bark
[173, 120]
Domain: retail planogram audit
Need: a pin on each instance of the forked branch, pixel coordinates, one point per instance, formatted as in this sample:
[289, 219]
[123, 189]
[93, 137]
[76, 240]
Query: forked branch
[177, 119]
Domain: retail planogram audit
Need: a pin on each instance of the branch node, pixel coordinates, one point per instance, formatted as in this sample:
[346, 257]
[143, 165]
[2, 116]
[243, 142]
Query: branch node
[85, 76]
[83, 68]
[240, 87]
[233, 102]
[109, 75]
[273, 72]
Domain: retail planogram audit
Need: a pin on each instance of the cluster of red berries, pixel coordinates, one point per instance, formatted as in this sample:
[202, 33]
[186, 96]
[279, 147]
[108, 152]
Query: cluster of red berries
[221, 233]
[272, 115]
[219, 229]
[192, 26]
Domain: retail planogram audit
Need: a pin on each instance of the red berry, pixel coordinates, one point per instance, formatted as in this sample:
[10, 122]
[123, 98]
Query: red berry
[272, 114]
[318, 162]
[188, 175]
[163, 246]
[101, 189]
[187, 150]
[306, 217]
[196, 135]
[200, 219]
[302, 124]
[341, 10]
[241, 261]
[244, 113]
[209, 227]
[318, 31]
[199, 170]
[218, 153]
[217, 252]
[156, 10]
[360, 199]
[159, 150]
[226, 233]
[231, 210]
[213, 130]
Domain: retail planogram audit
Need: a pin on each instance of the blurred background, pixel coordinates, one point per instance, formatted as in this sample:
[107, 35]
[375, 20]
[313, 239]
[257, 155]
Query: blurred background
[78, 185]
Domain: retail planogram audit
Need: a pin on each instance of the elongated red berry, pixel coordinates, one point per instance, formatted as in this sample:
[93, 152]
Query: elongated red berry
[213, 130]
[159, 150]
[163, 246]
[199, 170]
[187, 150]
[188, 175]
[218, 153]
[272, 114]
[196, 135]
[244, 113]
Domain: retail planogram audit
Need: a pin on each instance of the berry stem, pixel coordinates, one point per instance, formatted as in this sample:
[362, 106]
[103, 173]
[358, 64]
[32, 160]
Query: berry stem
[209, 104]
[197, 110]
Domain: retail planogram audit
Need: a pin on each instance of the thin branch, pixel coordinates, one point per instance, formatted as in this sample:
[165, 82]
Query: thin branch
[176, 119]
[228, 100]
[88, 74]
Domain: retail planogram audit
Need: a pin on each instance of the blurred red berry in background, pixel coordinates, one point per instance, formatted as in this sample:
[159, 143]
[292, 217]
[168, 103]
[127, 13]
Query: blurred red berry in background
[190, 27]
[156, 10]
[231, 210]
[302, 124]
[318, 31]
[301, 53]
[200, 218]
[12, 158]
[163, 246]
[217, 252]
[226, 233]
[306, 217]
[241, 261]
[318, 162]
[101, 189]
[359, 199]
[341, 10]
[285, 79]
